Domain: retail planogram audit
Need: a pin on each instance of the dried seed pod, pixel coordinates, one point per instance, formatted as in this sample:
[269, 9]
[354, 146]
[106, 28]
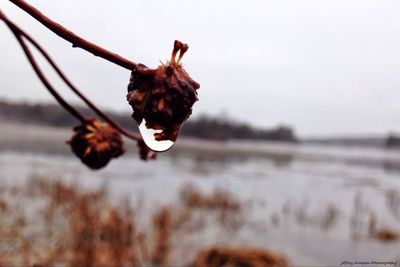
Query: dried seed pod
[163, 97]
[96, 143]
[145, 152]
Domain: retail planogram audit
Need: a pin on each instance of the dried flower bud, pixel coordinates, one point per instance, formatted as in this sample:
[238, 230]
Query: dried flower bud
[96, 143]
[163, 97]
[145, 152]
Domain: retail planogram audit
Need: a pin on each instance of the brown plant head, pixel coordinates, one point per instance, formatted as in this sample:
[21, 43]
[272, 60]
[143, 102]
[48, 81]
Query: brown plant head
[235, 257]
[96, 143]
[386, 235]
[145, 152]
[163, 97]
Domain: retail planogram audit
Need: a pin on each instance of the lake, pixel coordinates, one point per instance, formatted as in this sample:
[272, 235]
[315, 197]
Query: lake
[316, 205]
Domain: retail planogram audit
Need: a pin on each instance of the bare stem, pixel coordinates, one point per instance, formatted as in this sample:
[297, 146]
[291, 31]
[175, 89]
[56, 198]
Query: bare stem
[107, 118]
[44, 80]
[73, 38]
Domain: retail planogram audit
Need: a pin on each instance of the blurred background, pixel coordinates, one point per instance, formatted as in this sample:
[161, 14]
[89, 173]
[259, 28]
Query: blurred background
[292, 147]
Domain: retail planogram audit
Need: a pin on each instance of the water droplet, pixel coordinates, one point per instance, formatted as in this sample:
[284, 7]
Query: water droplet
[151, 142]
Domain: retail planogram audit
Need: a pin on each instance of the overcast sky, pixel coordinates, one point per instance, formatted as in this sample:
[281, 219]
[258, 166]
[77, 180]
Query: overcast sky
[323, 67]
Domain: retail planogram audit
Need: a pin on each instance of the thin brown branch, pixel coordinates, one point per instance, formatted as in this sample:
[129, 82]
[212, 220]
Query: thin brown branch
[42, 77]
[73, 38]
[69, 83]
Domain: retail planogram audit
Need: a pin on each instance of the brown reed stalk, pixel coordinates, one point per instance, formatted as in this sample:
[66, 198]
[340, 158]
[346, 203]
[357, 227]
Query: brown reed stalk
[162, 222]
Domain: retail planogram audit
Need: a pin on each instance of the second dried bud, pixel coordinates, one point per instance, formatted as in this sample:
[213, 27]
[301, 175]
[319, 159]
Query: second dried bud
[96, 143]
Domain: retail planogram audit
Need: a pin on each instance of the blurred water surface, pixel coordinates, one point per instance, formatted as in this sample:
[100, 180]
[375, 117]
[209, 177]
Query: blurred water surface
[319, 206]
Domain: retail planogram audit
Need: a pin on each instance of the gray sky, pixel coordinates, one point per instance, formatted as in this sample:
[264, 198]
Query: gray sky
[324, 67]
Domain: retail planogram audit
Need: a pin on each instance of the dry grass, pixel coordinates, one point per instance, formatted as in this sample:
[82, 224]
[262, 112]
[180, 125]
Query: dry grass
[217, 200]
[65, 225]
[162, 223]
[372, 231]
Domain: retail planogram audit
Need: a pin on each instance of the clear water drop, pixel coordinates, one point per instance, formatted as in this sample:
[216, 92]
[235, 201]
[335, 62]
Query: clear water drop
[151, 142]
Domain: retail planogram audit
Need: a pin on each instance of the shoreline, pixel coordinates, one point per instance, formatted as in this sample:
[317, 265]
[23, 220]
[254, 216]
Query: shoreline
[19, 137]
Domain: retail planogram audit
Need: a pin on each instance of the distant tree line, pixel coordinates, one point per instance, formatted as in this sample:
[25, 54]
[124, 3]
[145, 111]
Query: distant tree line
[216, 128]
[393, 141]
[204, 127]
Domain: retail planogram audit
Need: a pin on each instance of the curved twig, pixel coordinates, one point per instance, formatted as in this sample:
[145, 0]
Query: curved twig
[41, 76]
[73, 38]
[69, 83]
